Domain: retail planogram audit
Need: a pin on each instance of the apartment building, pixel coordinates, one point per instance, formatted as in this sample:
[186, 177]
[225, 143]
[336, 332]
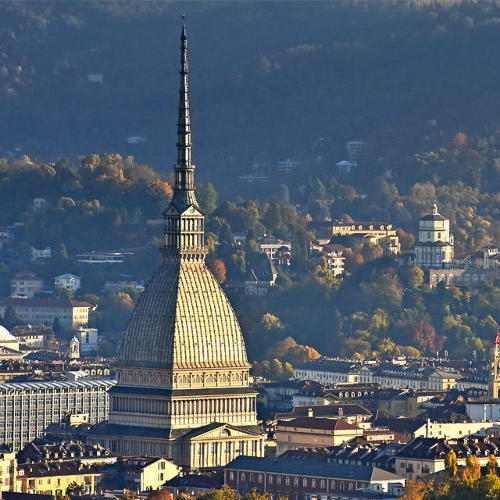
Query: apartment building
[27, 409]
[25, 284]
[42, 312]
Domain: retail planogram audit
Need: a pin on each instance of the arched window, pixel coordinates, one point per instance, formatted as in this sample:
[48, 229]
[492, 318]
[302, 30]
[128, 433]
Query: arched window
[351, 486]
[304, 482]
[434, 277]
[278, 480]
[287, 481]
[260, 478]
[342, 486]
[333, 485]
[295, 481]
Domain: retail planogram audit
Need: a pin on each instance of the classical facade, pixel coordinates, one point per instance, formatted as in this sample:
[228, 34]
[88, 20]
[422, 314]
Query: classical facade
[183, 389]
[435, 247]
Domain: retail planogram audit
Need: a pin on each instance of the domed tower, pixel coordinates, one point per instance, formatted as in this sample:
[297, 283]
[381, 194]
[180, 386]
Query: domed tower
[494, 377]
[74, 348]
[435, 246]
[183, 389]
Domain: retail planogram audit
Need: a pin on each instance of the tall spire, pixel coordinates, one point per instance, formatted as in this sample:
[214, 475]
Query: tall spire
[184, 123]
[184, 221]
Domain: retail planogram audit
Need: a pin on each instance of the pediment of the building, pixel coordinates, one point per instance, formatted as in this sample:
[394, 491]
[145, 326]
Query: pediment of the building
[224, 431]
[192, 210]
[171, 210]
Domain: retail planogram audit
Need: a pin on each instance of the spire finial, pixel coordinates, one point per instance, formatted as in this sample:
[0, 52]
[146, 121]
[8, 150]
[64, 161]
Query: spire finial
[184, 123]
[434, 209]
[497, 340]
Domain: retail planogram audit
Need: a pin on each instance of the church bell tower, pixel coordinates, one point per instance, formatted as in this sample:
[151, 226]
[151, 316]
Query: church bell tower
[494, 380]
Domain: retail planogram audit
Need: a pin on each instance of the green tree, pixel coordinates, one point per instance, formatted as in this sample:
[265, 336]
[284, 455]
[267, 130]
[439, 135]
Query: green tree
[272, 217]
[415, 277]
[206, 195]
[63, 293]
[11, 318]
[75, 489]
[276, 370]
[56, 326]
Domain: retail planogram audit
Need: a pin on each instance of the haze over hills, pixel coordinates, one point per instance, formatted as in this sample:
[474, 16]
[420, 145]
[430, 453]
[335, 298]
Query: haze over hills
[267, 85]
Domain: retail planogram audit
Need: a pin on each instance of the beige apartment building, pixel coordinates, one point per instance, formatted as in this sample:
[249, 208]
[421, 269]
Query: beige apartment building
[25, 284]
[313, 432]
[42, 312]
[54, 478]
[369, 232]
[8, 471]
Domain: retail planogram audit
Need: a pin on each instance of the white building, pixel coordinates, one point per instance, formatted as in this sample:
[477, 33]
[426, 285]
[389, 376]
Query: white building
[88, 340]
[25, 284]
[435, 247]
[332, 371]
[355, 149]
[328, 371]
[455, 430]
[44, 253]
[483, 411]
[146, 474]
[39, 204]
[27, 409]
[68, 281]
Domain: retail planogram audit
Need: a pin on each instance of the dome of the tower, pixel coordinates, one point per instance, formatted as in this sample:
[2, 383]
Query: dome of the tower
[183, 319]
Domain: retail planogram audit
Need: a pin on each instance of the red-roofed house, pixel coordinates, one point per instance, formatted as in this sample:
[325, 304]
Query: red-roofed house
[313, 432]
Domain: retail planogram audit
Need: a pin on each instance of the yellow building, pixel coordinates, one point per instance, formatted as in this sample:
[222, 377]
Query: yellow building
[8, 471]
[143, 474]
[53, 478]
[369, 232]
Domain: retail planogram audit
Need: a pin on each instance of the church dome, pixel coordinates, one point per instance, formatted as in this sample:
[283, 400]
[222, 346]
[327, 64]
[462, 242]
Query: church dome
[6, 336]
[183, 320]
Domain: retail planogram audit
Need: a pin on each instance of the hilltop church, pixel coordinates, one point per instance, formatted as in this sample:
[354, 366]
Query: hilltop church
[183, 390]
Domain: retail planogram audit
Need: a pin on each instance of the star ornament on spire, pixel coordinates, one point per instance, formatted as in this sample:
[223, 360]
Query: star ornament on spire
[497, 340]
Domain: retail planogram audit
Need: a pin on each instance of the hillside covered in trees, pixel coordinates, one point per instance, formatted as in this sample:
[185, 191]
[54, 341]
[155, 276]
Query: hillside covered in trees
[418, 83]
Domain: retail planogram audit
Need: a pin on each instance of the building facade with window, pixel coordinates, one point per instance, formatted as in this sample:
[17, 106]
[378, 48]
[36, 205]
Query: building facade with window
[27, 409]
[300, 479]
[42, 312]
[25, 284]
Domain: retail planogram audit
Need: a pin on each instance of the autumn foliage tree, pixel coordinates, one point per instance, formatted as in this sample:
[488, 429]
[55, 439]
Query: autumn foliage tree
[450, 463]
[218, 269]
[160, 495]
